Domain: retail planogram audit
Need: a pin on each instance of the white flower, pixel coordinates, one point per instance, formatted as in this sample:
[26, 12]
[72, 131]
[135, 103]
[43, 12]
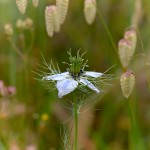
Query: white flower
[66, 83]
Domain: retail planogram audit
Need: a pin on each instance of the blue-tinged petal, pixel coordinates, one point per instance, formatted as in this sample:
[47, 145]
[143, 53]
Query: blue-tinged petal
[93, 74]
[57, 77]
[66, 86]
[89, 84]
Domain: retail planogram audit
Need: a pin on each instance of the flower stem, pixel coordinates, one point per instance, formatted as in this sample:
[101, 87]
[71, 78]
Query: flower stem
[75, 122]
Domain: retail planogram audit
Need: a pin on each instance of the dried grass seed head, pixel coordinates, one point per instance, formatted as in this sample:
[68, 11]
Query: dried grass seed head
[90, 11]
[62, 6]
[125, 52]
[22, 5]
[52, 20]
[35, 3]
[131, 37]
[28, 23]
[20, 24]
[127, 82]
[8, 30]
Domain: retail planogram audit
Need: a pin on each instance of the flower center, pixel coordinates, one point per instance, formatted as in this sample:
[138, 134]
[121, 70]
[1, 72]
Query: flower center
[76, 65]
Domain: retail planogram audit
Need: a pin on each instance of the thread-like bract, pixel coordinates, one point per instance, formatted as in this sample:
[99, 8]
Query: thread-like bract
[35, 3]
[127, 82]
[22, 5]
[90, 11]
[62, 6]
[52, 20]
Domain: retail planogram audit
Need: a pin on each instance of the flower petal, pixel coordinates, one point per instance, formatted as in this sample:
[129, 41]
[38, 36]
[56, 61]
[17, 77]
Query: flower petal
[93, 74]
[66, 86]
[89, 84]
[57, 77]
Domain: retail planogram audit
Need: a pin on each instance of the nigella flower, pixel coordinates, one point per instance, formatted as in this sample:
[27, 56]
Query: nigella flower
[74, 77]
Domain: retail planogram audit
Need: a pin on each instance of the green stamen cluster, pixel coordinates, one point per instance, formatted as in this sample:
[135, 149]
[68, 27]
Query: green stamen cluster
[76, 65]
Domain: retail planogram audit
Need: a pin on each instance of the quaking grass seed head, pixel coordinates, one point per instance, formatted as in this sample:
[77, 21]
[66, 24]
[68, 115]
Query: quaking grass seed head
[22, 5]
[35, 3]
[20, 24]
[127, 82]
[131, 37]
[52, 20]
[125, 52]
[62, 6]
[90, 11]
[8, 30]
[28, 24]
[127, 47]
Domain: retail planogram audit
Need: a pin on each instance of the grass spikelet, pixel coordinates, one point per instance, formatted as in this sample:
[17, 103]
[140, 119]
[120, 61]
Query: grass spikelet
[52, 20]
[35, 3]
[8, 30]
[127, 47]
[22, 5]
[131, 37]
[125, 52]
[62, 6]
[90, 11]
[127, 82]
[49, 20]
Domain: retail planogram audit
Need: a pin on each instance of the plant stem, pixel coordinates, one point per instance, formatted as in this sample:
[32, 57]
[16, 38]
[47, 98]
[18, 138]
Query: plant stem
[75, 122]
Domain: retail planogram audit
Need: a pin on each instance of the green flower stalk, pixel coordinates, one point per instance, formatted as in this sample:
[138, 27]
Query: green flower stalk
[76, 81]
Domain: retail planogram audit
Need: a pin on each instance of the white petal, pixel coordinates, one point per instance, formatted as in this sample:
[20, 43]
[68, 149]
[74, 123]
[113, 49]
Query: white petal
[93, 74]
[89, 84]
[66, 86]
[57, 77]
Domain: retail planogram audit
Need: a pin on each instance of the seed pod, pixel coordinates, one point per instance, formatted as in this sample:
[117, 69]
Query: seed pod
[131, 37]
[62, 6]
[90, 11]
[127, 82]
[35, 3]
[22, 5]
[52, 20]
[125, 52]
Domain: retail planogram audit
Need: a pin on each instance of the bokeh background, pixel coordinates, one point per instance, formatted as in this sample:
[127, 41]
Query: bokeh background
[32, 119]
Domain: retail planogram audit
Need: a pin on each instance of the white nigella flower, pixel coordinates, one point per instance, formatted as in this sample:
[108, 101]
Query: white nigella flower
[75, 76]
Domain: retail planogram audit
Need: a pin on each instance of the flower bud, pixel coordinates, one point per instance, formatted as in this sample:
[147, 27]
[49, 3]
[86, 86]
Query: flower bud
[8, 30]
[125, 52]
[62, 6]
[127, 82]
[22, 5]
[131, 37]
[90, 11]
[35, 3]
[52, 20]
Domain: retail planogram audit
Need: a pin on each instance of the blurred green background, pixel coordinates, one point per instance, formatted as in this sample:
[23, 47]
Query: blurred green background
[33, 118]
